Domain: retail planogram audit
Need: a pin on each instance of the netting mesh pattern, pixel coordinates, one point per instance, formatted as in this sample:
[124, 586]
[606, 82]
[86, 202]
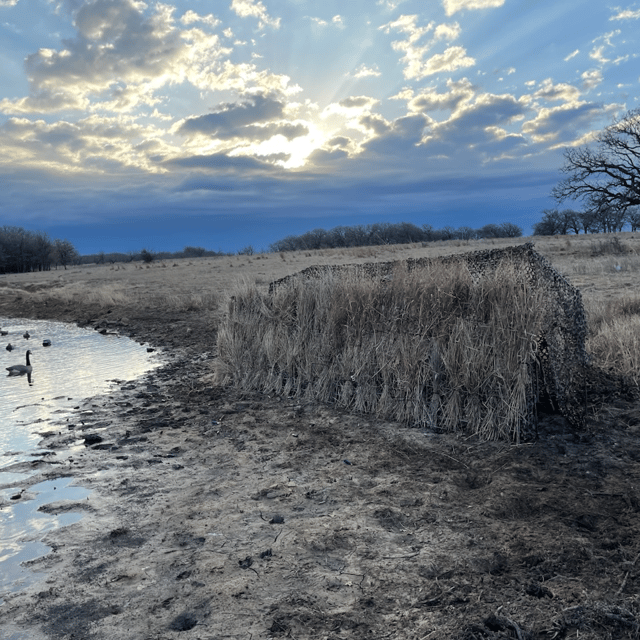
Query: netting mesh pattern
[469, 341]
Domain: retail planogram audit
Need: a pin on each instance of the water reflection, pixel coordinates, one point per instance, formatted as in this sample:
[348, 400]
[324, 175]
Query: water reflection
[23, 526]
[68, 364]
[78, 364]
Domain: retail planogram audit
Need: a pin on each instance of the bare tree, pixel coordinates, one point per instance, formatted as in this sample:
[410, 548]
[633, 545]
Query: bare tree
[633, 218]
[65, 253]
[609, 173]
[550, 225]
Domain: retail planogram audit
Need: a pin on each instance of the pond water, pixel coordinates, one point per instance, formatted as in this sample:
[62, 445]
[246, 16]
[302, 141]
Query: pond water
[80, 363]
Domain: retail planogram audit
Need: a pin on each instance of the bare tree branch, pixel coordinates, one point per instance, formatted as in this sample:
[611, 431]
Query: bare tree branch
[610, 174]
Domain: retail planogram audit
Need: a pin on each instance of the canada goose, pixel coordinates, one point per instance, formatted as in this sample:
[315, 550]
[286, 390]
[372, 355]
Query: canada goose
[20, 369]
[9, 347]
[26, 335]
[46, 342]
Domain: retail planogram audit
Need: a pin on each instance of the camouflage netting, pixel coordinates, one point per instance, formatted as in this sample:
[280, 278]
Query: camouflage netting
[366, 337]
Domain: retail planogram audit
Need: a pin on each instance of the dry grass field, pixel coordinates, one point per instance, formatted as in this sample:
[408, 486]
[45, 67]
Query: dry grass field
[222, 513]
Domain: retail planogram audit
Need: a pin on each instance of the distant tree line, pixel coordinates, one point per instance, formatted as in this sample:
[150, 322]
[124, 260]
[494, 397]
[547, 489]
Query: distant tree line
[606, 218]
[389, 233]
[22, 251]
[147, 255]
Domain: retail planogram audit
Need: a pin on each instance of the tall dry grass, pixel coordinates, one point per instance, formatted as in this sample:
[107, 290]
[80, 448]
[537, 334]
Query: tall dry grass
[614, 336]
[426, 347]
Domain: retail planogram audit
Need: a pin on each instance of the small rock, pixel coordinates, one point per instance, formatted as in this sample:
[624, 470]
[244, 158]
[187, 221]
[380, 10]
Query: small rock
[183, 622]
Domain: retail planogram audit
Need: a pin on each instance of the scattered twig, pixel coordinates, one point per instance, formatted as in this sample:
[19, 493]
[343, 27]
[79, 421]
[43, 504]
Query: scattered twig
[516, 628]
[626, 575]
[454, 459]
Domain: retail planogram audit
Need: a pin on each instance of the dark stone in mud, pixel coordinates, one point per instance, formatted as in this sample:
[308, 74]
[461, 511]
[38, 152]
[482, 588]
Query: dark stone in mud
[92, 438]
[538, 591]
[183, 622]
[279, 626]
[277, 520]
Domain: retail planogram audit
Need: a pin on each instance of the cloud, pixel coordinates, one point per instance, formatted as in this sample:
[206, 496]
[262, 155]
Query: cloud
[229, 118]
[375, 123]
[123, 56]
[626, 14]
[476, 127]
[573, 54]
[364, 72]
[219, 161]
[93, 143]
[8, 3]
[417, 64]
[390, 5]
[357, 102]
[191, 17]
[561, 91]
[116, 45]
[598, 52]
[431, 100]
[591, 79]
[562, 125]
[255, 9]
[453, 58]
[451, 6]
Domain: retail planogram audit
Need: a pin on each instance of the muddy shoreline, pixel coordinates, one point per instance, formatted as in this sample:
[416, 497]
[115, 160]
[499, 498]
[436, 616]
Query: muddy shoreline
[220, 515]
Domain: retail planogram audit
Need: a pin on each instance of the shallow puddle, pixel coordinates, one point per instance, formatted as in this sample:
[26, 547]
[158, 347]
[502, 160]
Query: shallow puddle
[23, 526]
[78, 364]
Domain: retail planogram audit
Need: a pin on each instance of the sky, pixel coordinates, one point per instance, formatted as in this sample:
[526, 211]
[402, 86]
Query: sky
[127, 124]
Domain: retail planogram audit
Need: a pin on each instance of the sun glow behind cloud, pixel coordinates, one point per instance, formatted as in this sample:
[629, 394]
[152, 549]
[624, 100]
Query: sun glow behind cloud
[293, 90]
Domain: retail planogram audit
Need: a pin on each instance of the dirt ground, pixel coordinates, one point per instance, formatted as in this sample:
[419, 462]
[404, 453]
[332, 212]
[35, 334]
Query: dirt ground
[220, 515]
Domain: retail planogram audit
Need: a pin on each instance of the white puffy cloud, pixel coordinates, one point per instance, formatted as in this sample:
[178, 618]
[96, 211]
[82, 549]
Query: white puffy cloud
[255, 9]
[451, 6]
[561, 91]
[362, 71]
[191, 16]
[98, 143]
[561, 125]
[419, 63]
[591, 78]
[125, 54]
[453, 58]
[429, 100]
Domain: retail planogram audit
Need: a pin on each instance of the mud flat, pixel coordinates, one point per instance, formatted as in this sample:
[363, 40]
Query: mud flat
[219, 515]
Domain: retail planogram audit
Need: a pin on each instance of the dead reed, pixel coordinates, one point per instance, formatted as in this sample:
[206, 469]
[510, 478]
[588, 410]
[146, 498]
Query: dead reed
[426, 347]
